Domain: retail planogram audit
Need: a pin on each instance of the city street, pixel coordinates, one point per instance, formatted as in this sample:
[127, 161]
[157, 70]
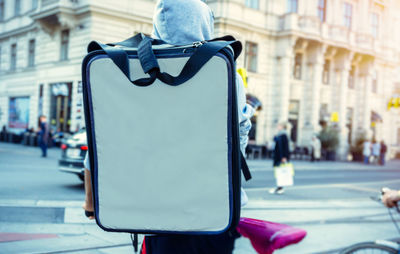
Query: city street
[40, 207]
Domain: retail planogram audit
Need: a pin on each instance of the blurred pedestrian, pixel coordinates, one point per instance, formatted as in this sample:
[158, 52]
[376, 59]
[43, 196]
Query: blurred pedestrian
[366, 151]
[315, 149]
[281, 152]
[382, 153]
[376, 151]
[43, 135]
[3, 133]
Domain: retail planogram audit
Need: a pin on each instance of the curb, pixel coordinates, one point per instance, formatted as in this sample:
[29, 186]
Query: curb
[266, 165]
[43, 211]
[40, 203]
[71, 212]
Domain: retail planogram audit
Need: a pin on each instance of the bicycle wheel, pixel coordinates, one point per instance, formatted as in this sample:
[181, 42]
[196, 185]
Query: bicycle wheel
[369, 247]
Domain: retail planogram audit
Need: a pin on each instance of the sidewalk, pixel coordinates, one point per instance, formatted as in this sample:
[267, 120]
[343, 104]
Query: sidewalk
[266, 164]
[58, 227]
[330, 225]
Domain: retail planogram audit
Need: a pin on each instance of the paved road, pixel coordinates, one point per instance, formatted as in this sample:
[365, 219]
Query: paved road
[25, 175]
[330, 200]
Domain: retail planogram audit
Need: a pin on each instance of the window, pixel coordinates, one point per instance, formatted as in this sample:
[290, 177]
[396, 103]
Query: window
[13, 60]
[349, 115]
[347, 15]
[252, 4]
[1, 10]
[31, 53]
[297, 65]
[34, 4]
[292, 6]
[18, 112]
[396, 88]
[322, 10]
[374, 86]
[351, 78]
[64, 45]
[251, 56]
[323, 113]
[326, 72]
[374, 24]
[17, 7]
[398, 136]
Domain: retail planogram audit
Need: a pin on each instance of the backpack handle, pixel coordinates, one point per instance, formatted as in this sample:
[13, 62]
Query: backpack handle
[149, 62]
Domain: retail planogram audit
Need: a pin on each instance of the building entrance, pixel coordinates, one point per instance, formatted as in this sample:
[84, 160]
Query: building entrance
[60, 106]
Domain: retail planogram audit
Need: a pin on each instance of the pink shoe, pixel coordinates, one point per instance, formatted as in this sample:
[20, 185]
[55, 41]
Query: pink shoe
[266, 237]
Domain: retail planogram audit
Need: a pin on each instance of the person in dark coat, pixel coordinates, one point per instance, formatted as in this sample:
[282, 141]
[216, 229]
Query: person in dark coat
[281, 152]
[43, 135]
[382, 153]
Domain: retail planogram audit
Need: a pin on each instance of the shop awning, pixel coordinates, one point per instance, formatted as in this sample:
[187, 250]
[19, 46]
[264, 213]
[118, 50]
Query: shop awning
[375, 117]
[253, 101]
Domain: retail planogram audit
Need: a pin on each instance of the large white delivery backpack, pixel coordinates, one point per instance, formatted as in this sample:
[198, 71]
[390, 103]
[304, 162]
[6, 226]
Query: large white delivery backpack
[162, 126]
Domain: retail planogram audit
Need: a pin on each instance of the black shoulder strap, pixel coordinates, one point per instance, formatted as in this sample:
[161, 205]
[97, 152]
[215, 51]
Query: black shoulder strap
[245, 167]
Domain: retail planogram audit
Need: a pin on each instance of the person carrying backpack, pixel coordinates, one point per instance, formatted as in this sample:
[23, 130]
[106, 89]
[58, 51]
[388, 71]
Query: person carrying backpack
[182, 22]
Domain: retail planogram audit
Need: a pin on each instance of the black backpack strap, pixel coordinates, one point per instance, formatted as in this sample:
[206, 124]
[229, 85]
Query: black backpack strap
[135, 242]
[245, 167]
[202, 55]
[236, 46]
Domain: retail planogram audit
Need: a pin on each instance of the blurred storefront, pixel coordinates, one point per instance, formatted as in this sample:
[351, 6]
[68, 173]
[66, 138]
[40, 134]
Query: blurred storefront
[60, 106]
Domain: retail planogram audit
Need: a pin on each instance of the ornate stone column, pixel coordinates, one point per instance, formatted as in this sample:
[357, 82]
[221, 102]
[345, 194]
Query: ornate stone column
[366, 115]
[312, 92]
[364, 120]
[342, 71]
[281, 91]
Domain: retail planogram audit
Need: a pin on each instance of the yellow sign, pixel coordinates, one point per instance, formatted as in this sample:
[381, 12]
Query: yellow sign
[335, 117]
[243, 73]
[394, 103]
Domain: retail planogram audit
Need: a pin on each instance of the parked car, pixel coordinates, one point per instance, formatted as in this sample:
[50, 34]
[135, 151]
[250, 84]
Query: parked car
[73, 152]
[59, 137]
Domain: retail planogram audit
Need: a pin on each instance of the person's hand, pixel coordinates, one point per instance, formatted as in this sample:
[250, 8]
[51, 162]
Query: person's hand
[284, 160]
[390, 198]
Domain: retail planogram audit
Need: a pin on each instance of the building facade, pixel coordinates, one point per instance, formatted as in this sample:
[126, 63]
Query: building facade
[318, 62]
[42, 44]
[308, 61]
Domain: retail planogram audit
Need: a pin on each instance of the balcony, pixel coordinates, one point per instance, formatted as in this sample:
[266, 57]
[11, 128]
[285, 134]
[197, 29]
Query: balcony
[339, 34]
[53, 13]
[310, 25]
[365, 41]
[288, 22]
